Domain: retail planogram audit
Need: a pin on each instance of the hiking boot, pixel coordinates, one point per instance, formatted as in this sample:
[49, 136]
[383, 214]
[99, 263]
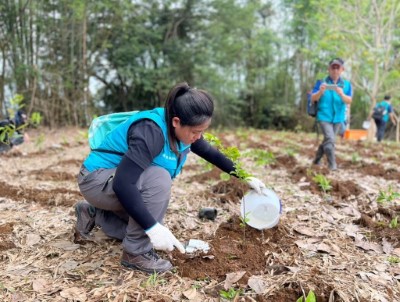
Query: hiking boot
[330, 154]
[333, 167]
[318, 155]
[316, 162]
[148, 262]
[85, 220]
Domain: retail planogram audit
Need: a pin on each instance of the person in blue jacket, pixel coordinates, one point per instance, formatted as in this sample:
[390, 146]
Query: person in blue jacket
[332, 94]
[382, 120]
[127, 185]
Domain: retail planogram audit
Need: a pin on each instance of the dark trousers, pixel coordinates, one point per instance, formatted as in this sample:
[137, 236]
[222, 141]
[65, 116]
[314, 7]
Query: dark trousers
[380, 129]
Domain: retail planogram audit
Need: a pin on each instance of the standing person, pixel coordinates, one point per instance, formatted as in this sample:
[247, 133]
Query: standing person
[381, 114]
[332, 94]
[128, 187]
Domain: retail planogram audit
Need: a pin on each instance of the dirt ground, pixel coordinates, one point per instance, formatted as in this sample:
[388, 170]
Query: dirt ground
[341, 242]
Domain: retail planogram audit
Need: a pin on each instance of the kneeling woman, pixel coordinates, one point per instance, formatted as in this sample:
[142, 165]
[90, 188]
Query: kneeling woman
[127, 181]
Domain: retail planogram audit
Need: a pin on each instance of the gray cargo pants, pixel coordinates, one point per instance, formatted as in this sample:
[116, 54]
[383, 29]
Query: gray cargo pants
[330, 131]
[154, 185]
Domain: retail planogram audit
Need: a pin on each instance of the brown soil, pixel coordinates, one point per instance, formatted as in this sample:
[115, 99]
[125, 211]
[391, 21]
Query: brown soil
[6, 236]
[379, 225]
[236, 248]
[58, 196]
[340, 189]
[284, 161]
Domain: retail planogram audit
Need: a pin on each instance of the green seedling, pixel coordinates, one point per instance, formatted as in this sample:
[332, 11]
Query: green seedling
[244, 220]
[355, 158]
[393, 223]
[154, 280]
[231, 152]
[213, 140]
[6, 133]
[197, 285]
[81, 136]
[64, 141]
[381, 223]
[310, 297]
[224, 176]
[230, 294]
[387, 196]
[262, 157]
[393, 259]
[290, 152]
[309, 172]
[322, 182]
[207, 166]
[36, 119]
[39, 140]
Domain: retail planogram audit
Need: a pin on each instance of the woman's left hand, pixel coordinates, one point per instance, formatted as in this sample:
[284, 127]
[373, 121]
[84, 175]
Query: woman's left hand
[256, 184]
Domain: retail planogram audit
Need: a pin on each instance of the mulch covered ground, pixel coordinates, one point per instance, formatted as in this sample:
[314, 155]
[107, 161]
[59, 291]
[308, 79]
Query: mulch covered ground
[340, 243]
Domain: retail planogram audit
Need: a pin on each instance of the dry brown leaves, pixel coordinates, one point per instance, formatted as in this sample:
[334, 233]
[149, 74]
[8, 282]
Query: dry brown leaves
[328, 251]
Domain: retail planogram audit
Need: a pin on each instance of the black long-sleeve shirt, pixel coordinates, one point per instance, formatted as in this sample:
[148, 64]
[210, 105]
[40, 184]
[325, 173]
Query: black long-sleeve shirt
[145, 142]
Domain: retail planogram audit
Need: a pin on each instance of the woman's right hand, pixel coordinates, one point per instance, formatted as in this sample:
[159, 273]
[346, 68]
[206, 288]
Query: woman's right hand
[163, 239]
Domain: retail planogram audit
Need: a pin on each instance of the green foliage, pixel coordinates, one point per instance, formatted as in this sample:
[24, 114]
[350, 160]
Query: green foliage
[39, 140]
[36, 118]
[387, 196]
[393, 259]
[322, 182]
[137, 50]
[262, 157]
[244, 220]
[355, 157]
[393, 223]
[310, 297]
[365, 44]
[6, 133]
[154, 280]
[231, 152]
[225, 176]
[230, 294]
[213, 140]
[16, 102]
[290, 152]
[205, 164]
[82, 136]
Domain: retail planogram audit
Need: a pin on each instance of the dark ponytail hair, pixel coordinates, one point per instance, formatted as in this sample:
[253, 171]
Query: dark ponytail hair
[192, 106]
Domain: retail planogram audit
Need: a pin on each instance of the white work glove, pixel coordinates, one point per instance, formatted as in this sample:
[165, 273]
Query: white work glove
[163, 239]
[256, 184]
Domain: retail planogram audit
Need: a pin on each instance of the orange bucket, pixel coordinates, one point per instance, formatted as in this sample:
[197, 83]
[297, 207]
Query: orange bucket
[356, 134]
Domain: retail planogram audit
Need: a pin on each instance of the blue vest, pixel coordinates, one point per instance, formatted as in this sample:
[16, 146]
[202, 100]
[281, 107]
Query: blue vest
[331, 107]
[117, 141]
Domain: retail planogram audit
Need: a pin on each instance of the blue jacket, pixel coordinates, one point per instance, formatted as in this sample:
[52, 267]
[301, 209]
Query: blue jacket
[331, 108]
[117, 141]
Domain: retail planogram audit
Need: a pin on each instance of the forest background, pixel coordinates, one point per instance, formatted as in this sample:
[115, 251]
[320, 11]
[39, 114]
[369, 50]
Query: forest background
[71, 60]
